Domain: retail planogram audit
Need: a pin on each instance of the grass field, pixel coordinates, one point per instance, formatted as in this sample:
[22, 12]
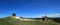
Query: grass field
[38, 23]
[11, 21]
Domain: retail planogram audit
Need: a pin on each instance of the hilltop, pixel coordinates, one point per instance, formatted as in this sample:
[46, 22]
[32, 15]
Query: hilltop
[14, 21]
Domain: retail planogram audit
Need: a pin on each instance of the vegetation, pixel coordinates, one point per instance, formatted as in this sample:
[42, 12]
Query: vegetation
[12, 21]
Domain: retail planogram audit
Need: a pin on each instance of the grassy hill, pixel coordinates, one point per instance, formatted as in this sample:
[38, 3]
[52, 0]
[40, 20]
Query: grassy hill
[13, 21]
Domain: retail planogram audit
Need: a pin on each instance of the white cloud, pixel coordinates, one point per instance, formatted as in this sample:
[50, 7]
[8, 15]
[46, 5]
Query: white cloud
[51, 15]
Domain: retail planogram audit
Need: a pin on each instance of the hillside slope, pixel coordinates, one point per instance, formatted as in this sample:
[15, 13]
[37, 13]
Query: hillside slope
[13, 21]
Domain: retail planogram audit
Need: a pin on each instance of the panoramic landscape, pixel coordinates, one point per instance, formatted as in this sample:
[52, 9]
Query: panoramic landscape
[29, 12]
[14, 20]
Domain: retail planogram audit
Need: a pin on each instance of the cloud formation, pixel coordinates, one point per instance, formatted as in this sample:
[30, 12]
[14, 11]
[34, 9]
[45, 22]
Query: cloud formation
[51, 15]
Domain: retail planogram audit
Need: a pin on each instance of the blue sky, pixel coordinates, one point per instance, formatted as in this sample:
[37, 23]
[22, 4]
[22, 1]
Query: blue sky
[29, 8]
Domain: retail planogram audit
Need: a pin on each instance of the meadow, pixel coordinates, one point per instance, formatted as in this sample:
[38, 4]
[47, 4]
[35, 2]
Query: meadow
[12, 21]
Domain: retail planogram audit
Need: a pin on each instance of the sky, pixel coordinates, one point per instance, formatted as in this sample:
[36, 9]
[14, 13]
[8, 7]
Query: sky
[29, 8]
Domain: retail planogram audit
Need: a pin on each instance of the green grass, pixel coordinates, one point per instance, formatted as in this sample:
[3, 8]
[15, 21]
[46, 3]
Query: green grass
[12, 21]
[38, 23]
